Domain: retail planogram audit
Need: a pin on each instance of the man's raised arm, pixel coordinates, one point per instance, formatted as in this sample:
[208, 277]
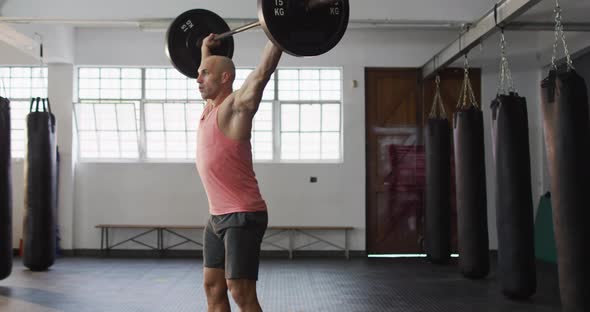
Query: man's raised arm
[248, 97]
[208, 43]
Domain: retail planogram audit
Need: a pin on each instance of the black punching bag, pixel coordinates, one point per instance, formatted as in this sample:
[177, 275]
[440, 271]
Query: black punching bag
[437, 236]
[567, 139]
[470, 179]
[5, 191]
[514, 202]
[39, 230]
[437, 239]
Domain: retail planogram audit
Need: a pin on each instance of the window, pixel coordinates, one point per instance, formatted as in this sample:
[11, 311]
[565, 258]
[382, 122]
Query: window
[20, 84]
[310, 113]
[172, 110]
[310, 131]
[166, 106]
[108, 115]
[171, 129]
[107, 130]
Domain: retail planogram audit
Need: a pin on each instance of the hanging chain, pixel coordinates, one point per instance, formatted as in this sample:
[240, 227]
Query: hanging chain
[466, 90]
[559, 33]
[462, 96]
[506, 83]
[438, 108]
[41, 63]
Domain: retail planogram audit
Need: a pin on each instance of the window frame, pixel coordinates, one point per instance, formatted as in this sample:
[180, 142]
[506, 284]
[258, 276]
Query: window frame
[4, 90]
[276, 121]
[107, 102]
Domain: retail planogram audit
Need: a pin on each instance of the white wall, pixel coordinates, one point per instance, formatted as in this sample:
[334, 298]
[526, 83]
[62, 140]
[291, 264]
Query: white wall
[12, 55]
[172, 193]
[18, 205]
[21, 45]
[60, 92]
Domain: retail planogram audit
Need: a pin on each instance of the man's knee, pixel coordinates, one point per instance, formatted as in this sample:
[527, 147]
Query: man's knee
[215, 286]
[215, 291]
[243, 291]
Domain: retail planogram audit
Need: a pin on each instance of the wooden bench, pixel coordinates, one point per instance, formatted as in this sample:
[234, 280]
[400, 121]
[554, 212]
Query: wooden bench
[292, 231]
[161, 229]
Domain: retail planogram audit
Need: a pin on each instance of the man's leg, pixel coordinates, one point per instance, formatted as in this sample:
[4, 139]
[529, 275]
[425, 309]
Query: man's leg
[242, 258]
[216, 290]
[213, 270]
[244, 294]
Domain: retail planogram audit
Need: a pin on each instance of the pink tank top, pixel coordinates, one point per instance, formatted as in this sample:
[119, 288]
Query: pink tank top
[226, 170]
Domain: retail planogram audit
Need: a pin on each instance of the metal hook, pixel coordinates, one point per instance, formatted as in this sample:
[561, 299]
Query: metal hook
[496, 14]
[39, 38]
[438, 108]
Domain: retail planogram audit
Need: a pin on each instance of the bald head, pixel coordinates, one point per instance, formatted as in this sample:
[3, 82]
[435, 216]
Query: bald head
[216, 77]
[222, 64]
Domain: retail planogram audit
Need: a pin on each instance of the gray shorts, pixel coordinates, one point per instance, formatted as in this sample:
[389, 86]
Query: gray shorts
[232, 242]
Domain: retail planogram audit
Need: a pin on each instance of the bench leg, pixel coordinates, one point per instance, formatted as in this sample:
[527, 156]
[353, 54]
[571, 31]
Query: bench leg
[104, 241]
[346, 251]
[291, 244]
[160, 240]
[101, 239]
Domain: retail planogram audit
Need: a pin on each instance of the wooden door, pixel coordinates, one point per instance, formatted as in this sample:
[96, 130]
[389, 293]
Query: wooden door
[392, 98]
[397, 106]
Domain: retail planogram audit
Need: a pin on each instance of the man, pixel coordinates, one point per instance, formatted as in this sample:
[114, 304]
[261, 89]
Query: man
[238, 218]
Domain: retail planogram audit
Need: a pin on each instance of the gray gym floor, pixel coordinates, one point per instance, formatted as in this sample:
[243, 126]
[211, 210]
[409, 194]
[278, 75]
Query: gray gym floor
[304, 284]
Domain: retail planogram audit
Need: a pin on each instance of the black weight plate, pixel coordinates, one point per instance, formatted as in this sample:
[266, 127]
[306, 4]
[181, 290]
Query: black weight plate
[184, 37]
[302, 32]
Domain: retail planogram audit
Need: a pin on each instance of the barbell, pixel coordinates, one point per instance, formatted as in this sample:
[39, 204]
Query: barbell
[298, 27]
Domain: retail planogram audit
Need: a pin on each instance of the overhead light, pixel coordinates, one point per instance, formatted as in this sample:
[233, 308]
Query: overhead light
[155, 25]
[72, 22]
[161, 25]
[406, 24]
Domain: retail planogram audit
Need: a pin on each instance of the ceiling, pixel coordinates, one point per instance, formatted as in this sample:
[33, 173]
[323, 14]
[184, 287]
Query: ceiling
[138, 10]
[429, 15]
[157, 14]
[572, 11]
